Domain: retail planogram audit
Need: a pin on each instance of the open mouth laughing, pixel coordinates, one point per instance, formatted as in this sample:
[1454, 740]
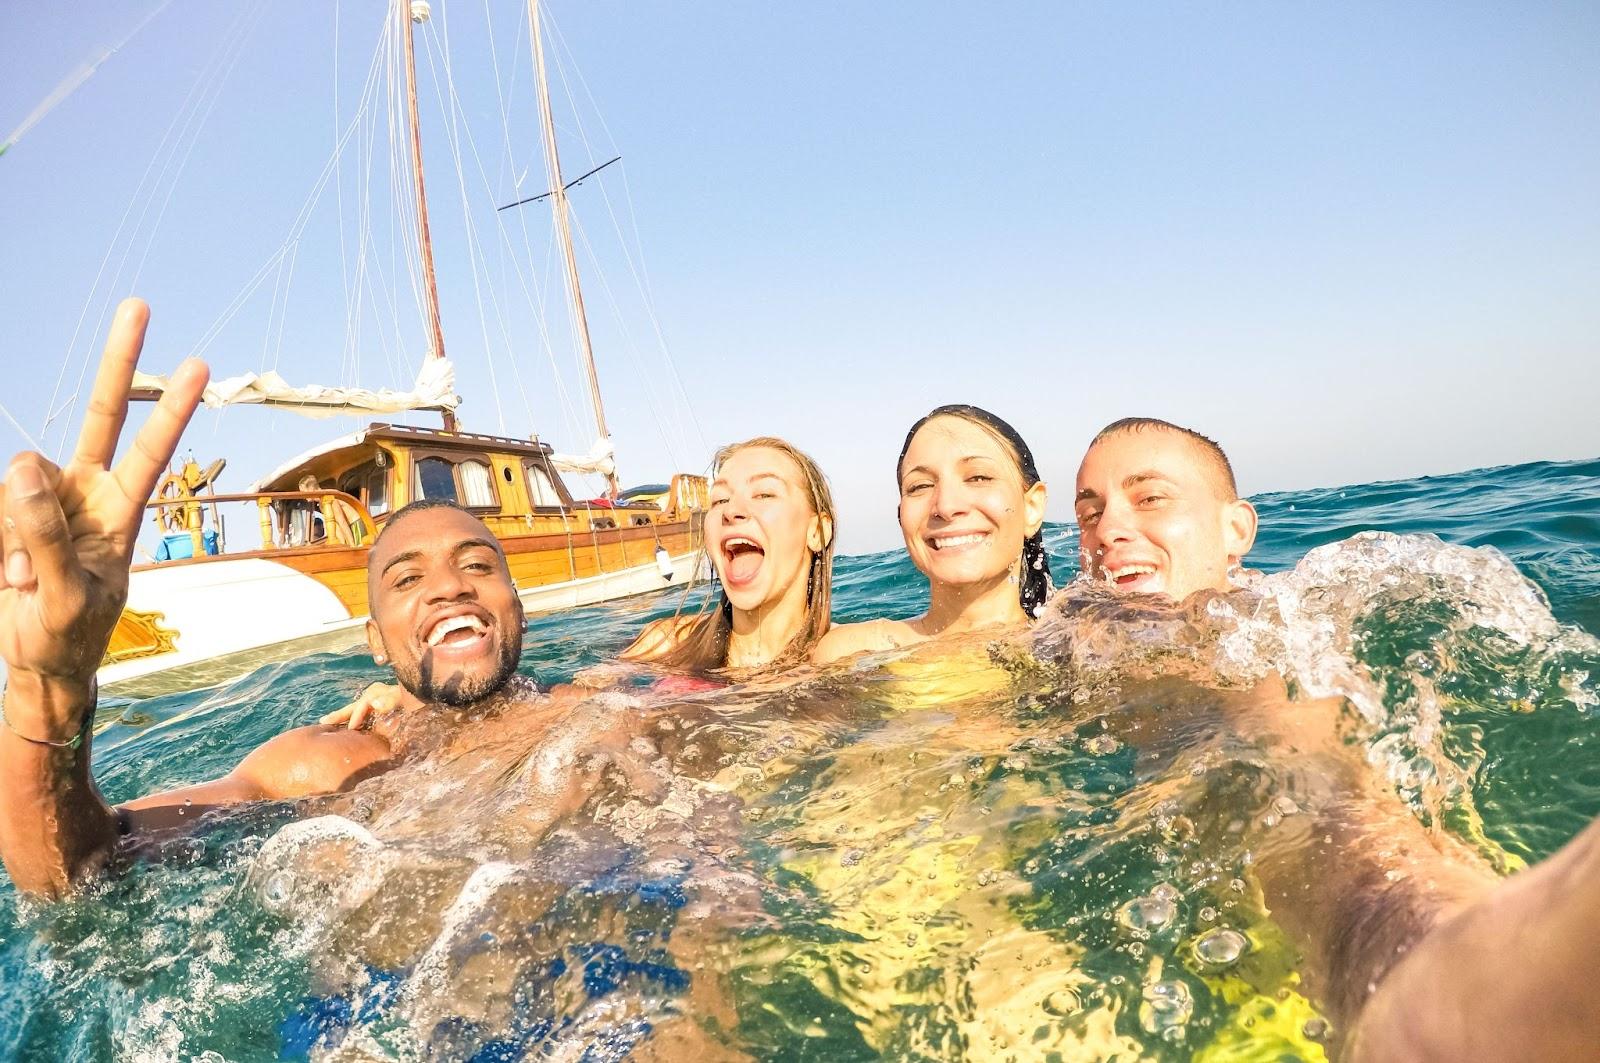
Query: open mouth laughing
[1134, 576]
[461, 633]
[741, 559]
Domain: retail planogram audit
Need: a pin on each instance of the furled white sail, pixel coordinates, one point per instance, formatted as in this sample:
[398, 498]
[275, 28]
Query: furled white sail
[434, 390]
[600, 459]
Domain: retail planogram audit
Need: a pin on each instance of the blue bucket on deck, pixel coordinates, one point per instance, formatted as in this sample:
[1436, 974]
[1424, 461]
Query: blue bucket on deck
[181, 545]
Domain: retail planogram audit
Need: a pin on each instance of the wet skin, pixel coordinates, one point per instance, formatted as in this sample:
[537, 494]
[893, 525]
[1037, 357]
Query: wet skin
[761, 534]
[963, 509]
[1410, 936]
[68, 540]
[964, 513]
[1155, 516]
[445, 612]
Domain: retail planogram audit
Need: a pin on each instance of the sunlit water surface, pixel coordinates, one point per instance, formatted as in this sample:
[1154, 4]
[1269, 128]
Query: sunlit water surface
[993, 855]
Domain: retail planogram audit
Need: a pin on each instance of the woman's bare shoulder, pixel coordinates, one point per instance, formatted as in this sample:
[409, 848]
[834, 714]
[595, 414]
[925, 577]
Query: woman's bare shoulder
[658, 637]
[846, 640]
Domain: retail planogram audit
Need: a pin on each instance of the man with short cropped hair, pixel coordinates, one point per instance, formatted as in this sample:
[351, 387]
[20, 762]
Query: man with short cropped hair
[1424, 952]
[445, 614]
[1158, 510]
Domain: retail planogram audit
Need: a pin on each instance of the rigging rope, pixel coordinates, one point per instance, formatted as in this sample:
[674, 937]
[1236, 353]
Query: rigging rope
[206, 82]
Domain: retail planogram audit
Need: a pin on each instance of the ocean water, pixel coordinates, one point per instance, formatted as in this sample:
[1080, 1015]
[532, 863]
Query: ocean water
[964, 858]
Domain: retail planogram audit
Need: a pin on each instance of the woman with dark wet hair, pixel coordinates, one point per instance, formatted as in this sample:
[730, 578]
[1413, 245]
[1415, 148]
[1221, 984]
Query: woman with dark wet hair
[972, 513]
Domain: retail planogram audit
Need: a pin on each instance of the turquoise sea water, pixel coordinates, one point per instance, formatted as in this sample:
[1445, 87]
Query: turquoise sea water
[1479, 701]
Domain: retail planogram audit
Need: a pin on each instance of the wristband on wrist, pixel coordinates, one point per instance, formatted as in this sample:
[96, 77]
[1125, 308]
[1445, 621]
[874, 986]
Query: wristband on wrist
[73, 743]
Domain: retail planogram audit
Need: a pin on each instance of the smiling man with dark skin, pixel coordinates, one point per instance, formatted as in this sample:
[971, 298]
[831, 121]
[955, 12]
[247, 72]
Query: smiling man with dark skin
[446, 616]
[1423, 953]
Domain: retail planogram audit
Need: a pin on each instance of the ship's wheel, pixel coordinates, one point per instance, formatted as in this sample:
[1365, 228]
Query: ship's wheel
[176, 492]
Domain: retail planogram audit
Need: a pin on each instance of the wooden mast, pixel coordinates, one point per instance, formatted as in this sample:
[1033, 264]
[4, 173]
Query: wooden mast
[409, 14]
[558, 207]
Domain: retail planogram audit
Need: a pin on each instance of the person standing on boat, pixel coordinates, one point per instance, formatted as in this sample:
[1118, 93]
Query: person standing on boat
[445, 614]
[1424, 953]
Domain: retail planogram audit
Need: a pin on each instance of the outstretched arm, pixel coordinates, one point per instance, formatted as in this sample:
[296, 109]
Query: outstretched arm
[67, 535]
[1508, 978]
[304, 762]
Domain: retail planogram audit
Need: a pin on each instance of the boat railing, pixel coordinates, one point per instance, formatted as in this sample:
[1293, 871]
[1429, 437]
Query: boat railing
[689, 494]
[198, 526]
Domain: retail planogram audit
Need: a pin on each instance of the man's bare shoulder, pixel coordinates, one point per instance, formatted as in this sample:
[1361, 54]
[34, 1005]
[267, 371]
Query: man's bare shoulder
[315, 759]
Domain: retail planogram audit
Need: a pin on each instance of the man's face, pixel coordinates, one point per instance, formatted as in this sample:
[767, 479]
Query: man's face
[444, 610]
[1154, 515]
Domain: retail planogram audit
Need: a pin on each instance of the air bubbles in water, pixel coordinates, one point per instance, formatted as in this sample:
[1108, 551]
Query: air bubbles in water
[1152, 912]
[1221, 947]
[277, 891]
[1166, 1009]
[1062, 1002]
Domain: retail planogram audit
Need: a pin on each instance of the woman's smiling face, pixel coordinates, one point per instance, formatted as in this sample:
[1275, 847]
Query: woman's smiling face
[964, 510]
[762, 530]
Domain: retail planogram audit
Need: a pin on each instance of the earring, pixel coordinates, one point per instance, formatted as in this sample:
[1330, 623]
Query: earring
[380, 658]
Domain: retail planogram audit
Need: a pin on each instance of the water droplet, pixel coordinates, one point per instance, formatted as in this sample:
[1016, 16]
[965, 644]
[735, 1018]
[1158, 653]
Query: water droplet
[1151, 912]
[1420, 662]
[1166, 1004]
[852, 857]
[278, 891]
[1208, 914]
[1062, 1002]
[1221, 947]
[1315, 1029]
[1102, 745]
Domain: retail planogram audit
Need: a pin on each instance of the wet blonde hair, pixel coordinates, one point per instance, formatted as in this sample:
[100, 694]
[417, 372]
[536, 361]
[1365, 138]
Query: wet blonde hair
[703, 646]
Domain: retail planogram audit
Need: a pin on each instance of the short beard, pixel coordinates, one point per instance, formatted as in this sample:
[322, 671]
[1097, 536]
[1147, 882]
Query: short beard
[459, 690]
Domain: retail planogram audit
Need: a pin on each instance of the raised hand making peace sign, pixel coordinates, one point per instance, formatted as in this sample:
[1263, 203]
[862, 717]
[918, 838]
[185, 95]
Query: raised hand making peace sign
[67, 536]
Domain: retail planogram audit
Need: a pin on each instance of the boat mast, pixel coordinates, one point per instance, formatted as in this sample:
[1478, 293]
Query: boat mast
[418, 11]
[558, 207]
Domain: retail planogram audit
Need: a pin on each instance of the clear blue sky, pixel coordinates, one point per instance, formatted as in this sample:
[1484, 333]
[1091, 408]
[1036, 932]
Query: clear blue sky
[1352, 241]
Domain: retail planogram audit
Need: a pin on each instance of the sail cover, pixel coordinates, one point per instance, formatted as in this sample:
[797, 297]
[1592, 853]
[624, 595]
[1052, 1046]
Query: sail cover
[600, 459]
[434, 390]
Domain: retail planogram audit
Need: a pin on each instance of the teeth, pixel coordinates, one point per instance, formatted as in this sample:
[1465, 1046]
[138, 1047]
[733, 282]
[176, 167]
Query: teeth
[1114, 574]
[739, 540]
[453, 623]
[957, 540]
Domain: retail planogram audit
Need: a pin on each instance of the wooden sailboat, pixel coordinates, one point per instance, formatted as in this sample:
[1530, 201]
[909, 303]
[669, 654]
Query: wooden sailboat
[207, 605]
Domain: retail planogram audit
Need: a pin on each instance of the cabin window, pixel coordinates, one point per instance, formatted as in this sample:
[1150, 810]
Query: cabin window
[477, 485]
[467, 483]
[368, 484]
[541, 491]
[436, 479]
[376, 498]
